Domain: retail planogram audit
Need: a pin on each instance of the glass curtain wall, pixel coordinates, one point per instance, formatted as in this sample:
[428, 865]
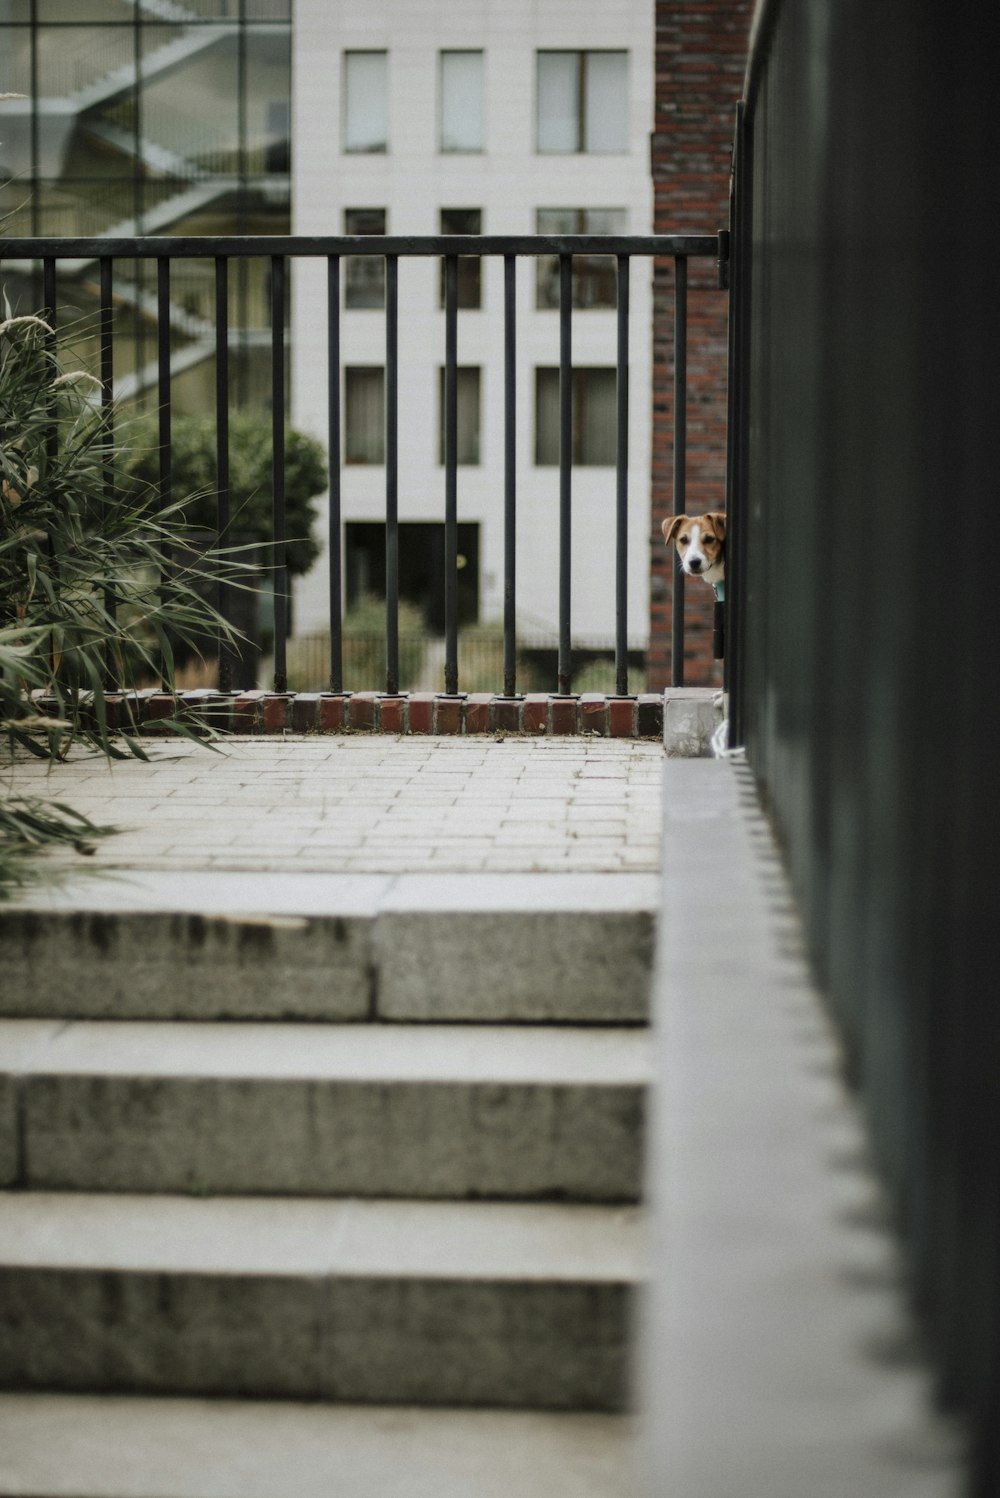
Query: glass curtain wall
[166, 117]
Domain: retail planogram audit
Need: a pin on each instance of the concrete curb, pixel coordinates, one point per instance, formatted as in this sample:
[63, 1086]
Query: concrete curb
[639, 717]
[780, 1355]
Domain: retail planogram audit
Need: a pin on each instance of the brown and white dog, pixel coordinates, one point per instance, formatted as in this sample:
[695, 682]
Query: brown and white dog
[701, 545]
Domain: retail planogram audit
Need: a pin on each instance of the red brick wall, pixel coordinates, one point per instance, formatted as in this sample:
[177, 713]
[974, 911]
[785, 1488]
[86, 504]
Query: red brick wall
[700, 57]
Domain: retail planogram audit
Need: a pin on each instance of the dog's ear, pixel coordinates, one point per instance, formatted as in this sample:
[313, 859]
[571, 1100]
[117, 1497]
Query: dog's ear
[718, 519]
[671, 527]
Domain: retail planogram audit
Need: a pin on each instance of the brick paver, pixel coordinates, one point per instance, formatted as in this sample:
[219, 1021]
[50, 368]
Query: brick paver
[371, 804]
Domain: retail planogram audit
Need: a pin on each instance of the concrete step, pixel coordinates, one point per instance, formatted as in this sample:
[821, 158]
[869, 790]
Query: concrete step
[84, 1446]
[497, 1304]
[372, 1110]
[491, 949]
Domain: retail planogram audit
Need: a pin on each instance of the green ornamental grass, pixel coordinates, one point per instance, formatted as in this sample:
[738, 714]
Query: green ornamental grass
[98, 582]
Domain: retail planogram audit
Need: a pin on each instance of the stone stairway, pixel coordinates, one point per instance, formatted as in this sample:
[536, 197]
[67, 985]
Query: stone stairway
[371, 1170]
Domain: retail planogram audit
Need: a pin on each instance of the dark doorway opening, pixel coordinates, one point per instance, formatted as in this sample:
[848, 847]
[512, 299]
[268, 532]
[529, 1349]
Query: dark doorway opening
[421, 567]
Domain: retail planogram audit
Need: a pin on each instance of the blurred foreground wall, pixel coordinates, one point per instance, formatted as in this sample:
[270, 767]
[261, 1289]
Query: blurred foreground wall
[863, 645]
[866, 690]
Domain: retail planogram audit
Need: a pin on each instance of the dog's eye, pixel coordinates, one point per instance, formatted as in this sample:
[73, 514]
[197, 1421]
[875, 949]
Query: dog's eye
[684, 540]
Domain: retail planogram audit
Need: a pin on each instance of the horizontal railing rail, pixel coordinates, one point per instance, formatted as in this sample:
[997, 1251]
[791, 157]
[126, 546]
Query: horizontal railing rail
[205, 247]
[278, 250]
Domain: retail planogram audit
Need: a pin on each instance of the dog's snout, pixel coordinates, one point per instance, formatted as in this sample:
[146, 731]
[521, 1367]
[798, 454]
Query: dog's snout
[694, 563]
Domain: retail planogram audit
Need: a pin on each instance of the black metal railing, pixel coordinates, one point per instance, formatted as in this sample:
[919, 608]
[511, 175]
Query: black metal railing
[277, 251]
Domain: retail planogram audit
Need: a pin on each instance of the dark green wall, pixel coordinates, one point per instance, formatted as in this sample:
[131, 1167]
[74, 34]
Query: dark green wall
[867, 687]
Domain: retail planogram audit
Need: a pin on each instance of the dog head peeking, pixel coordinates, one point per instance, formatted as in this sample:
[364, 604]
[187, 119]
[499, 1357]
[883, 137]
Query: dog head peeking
[701, 544]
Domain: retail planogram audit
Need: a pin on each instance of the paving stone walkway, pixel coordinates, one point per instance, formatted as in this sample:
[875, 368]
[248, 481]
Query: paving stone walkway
[369, 805]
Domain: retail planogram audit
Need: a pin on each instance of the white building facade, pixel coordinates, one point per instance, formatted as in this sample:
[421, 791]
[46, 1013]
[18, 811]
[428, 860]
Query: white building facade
[417, 117]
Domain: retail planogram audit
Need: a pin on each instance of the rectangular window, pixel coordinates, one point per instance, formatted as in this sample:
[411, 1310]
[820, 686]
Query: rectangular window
[470, 275]
[467, 415]
[364, 275]
[582, 102]
[364, 415]
[462, 102]
[421, 583]
[594, 276]
[366, 101]
[595, 417]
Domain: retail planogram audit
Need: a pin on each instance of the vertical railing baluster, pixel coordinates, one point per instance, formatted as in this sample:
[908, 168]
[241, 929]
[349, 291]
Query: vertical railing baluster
[33, 185]
[163, 396]
[278, 470]
[164, 399]
[107, 359]
[49, 289]
[451, 475]
[739, 422]
[50, 314]
[49, 294]
[565, 669]
[333, 445]
[621, 480]
[392, 474]
[680, 462]
[223, 591]
[510, 478]
[49, 297]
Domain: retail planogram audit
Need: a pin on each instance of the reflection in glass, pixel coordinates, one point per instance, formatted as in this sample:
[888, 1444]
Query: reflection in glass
[145, 125]
[15, 114]
[268, 93]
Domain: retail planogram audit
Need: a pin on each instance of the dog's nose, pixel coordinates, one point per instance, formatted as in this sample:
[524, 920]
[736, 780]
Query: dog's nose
[694, 563]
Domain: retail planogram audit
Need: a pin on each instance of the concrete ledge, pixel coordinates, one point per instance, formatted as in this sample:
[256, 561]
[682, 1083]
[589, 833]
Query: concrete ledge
[780, 1359]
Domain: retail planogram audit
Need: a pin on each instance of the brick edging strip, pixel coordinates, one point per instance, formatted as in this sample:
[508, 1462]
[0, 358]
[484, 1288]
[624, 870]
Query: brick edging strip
[413, 713]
